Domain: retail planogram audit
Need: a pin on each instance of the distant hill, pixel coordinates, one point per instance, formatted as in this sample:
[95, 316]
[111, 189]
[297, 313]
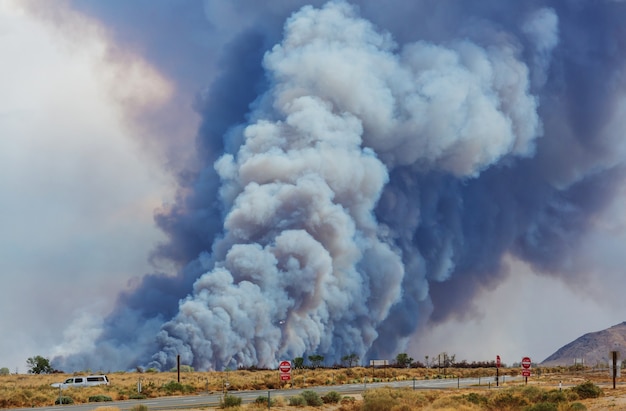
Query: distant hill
[591, 348]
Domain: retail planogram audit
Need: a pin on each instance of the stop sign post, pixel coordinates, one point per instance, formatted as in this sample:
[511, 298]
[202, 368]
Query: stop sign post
[497, 370]
[285, 370]
[526, 363]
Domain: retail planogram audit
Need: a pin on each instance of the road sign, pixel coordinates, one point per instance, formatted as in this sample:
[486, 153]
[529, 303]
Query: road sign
[285, 366]
[285, 370]
[526, 373]
[498, 361]
[526, 363]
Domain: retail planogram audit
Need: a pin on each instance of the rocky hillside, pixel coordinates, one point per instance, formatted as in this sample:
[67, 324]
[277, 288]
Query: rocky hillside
[592, 348]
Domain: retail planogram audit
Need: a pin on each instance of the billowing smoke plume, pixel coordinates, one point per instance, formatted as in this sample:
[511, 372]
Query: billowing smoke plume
[303, 265]
[366, 170]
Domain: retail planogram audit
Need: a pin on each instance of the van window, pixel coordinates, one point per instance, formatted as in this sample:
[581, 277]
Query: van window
[78, 380]
[94, 379]
[69, 381]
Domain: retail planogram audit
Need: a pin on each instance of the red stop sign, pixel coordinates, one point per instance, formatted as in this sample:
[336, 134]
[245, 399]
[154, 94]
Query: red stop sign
[285, 366]
[526, 362]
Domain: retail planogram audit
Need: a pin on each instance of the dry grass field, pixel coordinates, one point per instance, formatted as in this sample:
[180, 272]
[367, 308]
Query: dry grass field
[35, 390]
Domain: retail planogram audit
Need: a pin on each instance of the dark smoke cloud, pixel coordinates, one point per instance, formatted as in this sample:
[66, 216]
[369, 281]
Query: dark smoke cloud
[364, 170]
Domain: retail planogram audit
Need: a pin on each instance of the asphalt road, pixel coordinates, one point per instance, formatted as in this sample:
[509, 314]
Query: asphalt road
[213, 400]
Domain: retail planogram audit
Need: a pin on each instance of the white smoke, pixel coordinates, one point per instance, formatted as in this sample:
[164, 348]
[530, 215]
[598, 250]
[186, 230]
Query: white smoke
[303, 265]
[542, 29]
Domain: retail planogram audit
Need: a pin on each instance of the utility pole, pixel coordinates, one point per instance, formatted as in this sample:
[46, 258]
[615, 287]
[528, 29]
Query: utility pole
[178, 366]
[614, 373]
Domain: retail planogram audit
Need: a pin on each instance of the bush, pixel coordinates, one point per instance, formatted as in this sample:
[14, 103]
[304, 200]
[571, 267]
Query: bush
[312, 398]
[64, 400]
[297, 401]
[587, 390]
[173, 386]
[137, 396]
[576, 406]
[333, 397]
[506, 400]
[262, 401]
[139, 407]
[556, 396]
[230, 401]
[100, 398]
[378, 400]
[534, 394]
[543, 406]
[402, 407]
[477, 399]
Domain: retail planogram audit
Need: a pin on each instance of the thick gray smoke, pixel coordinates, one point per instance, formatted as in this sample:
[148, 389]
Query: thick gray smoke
[366, 169]
[303, 265]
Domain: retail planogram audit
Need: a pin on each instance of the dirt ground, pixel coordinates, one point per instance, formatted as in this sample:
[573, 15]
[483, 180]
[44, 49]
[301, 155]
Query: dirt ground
[613, 399]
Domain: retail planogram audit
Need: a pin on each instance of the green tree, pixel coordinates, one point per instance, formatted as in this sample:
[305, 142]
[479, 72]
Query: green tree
[38, 365]
[350, 360]
[298, 363]
[403, 360]
[316, 360]
[4, 371]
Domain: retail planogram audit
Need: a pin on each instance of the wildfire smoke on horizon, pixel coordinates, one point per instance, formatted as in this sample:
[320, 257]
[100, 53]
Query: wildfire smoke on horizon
[363, 174]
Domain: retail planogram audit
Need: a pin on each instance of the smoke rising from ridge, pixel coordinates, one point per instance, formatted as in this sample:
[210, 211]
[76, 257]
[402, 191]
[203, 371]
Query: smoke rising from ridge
[363, 179]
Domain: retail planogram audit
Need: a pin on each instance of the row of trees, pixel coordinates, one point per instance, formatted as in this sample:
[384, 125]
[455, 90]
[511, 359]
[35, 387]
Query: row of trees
[41, 365]
[402, 360]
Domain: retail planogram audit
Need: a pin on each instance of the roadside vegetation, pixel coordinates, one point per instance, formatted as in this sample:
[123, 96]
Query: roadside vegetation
[542, 393]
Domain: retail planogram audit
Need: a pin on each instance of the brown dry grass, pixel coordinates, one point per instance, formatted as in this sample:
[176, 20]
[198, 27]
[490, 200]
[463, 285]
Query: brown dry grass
[35, 390]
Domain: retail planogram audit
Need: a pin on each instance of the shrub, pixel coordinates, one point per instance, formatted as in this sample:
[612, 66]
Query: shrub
[297, 401]
[587, 390]
[533, 394]
[64, 400]
[378, 400]
[556, 396]
[139, 407]
[576, 406]
[332, 397]
[173, 386]
[571, 395]
[100, 398]
[312, 398]
[262, 401]
[230, 401]
[543, 406]
[506, 400]
[137, 396]
[477, 399]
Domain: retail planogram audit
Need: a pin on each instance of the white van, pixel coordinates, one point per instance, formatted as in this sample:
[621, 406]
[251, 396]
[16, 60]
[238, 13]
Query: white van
[82, 381]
